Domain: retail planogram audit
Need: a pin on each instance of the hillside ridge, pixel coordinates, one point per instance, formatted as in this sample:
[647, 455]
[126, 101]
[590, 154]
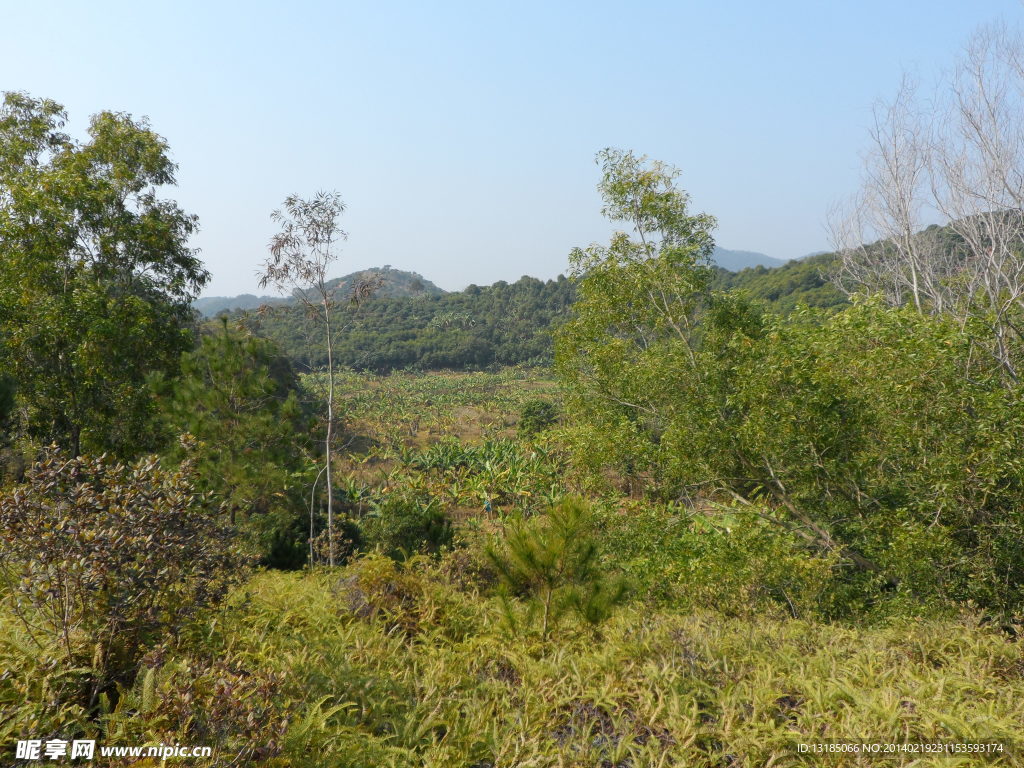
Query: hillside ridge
[400, 283]
[394, 284]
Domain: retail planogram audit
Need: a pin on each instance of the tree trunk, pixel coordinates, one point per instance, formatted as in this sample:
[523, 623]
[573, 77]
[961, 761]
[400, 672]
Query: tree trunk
[330, 433]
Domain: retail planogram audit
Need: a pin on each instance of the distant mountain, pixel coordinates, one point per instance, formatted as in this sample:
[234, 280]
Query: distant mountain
[208, 306]
[395, 284]
[734, 261]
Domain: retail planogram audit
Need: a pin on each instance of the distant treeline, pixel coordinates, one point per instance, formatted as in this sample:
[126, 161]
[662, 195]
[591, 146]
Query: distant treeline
[500, 324]
[783, 288]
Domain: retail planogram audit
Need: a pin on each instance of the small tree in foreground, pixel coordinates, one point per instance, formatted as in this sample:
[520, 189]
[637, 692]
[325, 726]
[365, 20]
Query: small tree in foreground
[102, 560]
[552, 564]
[300, 256]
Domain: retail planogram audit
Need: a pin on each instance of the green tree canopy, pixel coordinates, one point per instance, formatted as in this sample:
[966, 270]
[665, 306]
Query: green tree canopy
[240, 399]
[96, 277]
[874, 434]
[635, 323]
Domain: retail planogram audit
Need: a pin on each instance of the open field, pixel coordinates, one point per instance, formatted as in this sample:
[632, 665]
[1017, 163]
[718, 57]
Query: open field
[414, 409]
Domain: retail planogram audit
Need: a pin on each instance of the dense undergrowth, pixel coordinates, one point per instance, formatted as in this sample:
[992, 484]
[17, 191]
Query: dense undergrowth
[400, 665]
[724, 654]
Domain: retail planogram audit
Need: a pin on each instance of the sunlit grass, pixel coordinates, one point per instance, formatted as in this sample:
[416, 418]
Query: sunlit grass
[432, 679]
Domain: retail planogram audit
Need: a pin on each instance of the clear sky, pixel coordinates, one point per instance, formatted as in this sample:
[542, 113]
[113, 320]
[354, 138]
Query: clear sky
[462, 134]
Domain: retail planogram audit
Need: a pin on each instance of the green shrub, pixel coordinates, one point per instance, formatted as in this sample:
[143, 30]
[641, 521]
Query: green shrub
[348, 540]
[402, 525]
[405, 595]
[879, 434]
[536, 416]
[102, 560]
[743, 565]
[240, 399]
[726, 559]
[233, 705]
[882, 435]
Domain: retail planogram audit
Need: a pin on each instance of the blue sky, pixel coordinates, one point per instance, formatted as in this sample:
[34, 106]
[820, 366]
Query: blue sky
[462, 135]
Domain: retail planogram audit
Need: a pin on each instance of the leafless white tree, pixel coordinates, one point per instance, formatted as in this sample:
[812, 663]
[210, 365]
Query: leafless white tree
[958, 157]
[888, 207]
[978, 181]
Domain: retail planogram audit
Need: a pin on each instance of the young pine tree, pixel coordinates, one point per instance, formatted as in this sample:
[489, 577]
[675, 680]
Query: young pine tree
[239, 398]
[552, 564]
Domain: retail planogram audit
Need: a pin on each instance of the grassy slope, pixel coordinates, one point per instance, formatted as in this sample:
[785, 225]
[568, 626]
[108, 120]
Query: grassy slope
[417, 673]
[373, 667]
[662, 689]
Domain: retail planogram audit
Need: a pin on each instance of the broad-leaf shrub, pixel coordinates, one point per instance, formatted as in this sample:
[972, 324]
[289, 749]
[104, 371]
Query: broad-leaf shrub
[536, 416]
[403, 524]
[407, 595]
[102, 560]
[230, 704]
[728, 559]
[876, 434]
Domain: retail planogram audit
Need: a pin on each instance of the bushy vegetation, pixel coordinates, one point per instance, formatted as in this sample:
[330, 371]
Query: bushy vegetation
[722, 533]
[401, 525]
[240, 400]
[412, 661]
[877, 434]
[387, 664]
[102, 561]
[536, 416]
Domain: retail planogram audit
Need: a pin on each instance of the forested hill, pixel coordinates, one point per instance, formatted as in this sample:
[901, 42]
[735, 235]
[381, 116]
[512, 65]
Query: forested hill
[410, 323]
[399, 283]
[782, 288]
[393, 283]
[503, 324]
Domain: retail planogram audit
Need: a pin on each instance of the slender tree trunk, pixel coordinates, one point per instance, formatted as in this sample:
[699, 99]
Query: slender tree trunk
[330, 432]
[908, 244]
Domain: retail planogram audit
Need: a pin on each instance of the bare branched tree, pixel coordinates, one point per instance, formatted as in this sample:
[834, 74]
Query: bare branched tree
[300, 257]
[877, 234]
[964, 164]
[978, 166]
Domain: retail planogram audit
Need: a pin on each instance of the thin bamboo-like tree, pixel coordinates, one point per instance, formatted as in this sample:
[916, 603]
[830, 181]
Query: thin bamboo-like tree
[301, 254]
